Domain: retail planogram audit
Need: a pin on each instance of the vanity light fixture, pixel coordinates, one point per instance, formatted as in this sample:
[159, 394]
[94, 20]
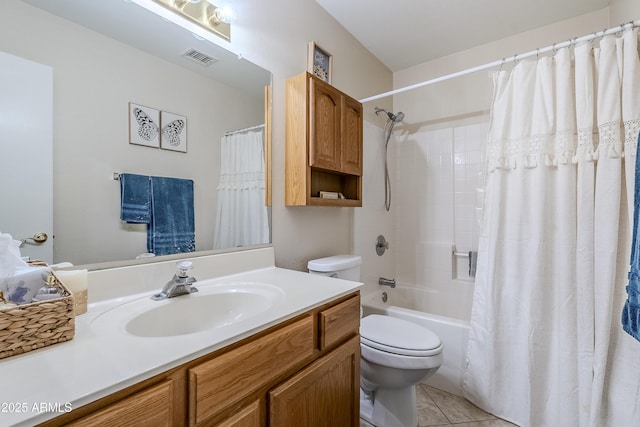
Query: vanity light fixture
[203, 13]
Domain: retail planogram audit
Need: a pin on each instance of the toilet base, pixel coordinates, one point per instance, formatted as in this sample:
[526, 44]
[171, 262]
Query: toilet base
[389, 408]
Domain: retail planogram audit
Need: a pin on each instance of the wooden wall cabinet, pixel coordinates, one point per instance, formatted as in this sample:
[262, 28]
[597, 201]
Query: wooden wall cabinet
[323, 144]
[305, 371]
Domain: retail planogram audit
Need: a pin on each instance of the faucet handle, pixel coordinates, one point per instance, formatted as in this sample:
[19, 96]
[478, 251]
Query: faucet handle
[183, 267]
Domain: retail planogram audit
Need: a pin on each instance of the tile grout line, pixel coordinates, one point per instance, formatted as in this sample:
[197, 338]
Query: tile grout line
[425, 390]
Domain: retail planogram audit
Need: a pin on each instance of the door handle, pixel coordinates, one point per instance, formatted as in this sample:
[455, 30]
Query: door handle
[37, 238]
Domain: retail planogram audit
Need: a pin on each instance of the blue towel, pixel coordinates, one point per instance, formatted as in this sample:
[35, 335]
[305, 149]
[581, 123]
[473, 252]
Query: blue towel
[172, 228]
[166, 205]
[631, 310]
[135, 198]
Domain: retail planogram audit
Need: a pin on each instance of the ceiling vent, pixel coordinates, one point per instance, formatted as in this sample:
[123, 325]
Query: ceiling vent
[199, 57]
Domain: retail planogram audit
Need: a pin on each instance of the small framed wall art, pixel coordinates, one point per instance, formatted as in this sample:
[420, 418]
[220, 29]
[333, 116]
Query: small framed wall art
[174, 132]
[320, 62]
[143, 125]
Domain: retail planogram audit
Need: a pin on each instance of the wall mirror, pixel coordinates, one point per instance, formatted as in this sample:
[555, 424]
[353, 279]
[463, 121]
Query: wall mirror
[105, 55]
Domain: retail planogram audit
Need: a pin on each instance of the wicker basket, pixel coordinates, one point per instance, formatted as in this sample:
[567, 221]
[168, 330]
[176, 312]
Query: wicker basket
[31, 326]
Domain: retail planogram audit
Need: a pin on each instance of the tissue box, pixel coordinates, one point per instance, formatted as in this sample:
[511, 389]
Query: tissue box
[35, 325]
[24, 284]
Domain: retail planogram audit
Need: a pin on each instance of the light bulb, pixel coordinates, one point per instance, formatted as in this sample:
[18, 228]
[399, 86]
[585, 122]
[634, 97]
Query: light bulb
[226, 14]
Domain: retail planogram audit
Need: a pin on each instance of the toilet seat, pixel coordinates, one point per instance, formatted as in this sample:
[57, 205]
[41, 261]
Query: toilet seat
[398, 336]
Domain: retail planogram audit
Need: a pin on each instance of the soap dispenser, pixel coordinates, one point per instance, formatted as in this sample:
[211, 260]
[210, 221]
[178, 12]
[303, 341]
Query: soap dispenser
[49, 291]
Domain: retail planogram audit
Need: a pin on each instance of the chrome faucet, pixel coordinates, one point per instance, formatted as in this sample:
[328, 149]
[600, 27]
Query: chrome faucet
[181, 284]
[387, 282]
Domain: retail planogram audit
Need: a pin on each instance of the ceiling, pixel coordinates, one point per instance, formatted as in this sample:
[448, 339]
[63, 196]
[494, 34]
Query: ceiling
[403, 33]
[131, 24]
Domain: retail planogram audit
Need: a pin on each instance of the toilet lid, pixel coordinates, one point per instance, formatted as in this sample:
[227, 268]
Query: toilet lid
[398, 336]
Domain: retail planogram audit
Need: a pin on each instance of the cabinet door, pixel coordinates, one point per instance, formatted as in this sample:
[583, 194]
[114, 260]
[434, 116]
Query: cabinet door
[324, 125]
[351, 137]
[248, 417]
[152, 407]
[325, 394]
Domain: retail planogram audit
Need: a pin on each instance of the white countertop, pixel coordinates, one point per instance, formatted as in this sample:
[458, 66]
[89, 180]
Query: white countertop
[42, 384]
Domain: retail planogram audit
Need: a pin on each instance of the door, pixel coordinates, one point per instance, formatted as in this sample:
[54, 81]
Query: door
[26, 150]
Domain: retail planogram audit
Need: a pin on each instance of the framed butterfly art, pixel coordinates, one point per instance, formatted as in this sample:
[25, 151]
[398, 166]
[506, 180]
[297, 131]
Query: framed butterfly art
[144, 125]
[173, 132]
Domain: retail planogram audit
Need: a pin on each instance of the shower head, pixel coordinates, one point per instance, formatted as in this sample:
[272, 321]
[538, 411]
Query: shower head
[396, 118]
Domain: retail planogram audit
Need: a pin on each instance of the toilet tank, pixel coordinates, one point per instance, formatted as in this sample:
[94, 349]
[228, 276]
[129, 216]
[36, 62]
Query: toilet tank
[341, 266]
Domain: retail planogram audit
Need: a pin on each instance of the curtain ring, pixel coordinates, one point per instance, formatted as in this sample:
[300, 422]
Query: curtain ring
[501, 64]
[515, 58]
[573, 42]
[537, 53]
[553, 47]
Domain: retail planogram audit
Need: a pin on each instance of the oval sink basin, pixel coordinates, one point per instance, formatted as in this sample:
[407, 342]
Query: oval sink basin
[214, 306]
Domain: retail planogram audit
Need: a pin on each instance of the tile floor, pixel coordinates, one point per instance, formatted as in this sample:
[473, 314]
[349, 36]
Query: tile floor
[439, 408]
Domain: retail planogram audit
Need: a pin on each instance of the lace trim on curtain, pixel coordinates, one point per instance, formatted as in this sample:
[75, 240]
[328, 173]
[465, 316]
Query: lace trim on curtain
[610, 139]
[509, 154]
[587, 143]
[631, 131]
[561, 149]
[241, 181]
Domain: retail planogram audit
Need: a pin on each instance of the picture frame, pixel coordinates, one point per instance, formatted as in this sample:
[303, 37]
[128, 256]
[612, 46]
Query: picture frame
[173, 134]
[144, 125]
[320, 62]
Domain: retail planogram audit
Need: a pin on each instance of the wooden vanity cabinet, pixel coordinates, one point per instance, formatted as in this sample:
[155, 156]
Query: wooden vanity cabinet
[323, 143]
[305, 371]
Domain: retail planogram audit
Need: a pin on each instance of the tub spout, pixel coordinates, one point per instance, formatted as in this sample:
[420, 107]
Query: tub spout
[387, 282]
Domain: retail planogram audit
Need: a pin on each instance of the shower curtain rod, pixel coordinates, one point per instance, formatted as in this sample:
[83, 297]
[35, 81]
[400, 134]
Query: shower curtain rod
[244, 130]
[503, 61]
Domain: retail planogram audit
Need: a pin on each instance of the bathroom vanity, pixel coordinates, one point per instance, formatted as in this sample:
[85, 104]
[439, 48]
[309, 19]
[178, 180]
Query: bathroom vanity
[307, 368]
[297, 360]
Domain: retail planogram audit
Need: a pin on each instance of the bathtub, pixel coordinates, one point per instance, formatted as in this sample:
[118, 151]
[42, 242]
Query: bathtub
[444, 316]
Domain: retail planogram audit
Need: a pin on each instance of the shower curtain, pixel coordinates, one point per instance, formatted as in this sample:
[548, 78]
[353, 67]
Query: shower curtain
[546, 346]
[241, 217]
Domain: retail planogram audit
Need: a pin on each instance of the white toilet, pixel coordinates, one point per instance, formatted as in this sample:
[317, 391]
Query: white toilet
[394, 355]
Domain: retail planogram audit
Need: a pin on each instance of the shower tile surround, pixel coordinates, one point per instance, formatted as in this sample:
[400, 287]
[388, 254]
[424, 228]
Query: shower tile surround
[439, 408]
[440, 180]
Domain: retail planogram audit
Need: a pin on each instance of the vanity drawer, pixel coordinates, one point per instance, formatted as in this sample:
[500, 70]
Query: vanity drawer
[232, 376]
[339, 322]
